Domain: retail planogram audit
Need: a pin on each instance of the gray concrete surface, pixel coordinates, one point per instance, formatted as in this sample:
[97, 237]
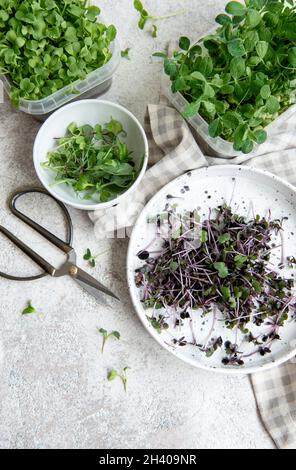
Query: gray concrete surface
[53, 387]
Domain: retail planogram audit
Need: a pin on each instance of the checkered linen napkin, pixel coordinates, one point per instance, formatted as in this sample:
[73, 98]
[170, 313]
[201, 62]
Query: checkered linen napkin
[173, 151]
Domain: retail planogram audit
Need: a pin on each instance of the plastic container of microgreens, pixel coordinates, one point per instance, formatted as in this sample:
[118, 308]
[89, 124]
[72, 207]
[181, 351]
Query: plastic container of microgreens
[216, 146]
[95, 84]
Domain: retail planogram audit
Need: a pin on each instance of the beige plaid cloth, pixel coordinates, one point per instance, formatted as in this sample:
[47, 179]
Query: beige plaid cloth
[173, 151]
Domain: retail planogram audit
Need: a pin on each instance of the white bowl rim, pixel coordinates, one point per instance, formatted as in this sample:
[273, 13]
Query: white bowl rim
[225, 371]
[101, 205]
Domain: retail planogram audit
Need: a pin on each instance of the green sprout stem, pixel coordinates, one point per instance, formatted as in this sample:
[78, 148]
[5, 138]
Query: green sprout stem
[106, 336]
[113, 374]
[169, 15]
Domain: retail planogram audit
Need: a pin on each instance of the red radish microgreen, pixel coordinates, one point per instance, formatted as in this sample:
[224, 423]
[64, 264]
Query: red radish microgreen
[219, 265]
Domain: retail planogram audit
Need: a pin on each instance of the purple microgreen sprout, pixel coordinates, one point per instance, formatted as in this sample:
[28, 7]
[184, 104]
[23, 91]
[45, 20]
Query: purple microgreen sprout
[222, 263]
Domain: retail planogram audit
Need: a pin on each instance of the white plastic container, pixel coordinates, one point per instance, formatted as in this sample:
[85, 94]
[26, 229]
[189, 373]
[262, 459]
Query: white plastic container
[218, 146]
[91, 112]
[96, 83]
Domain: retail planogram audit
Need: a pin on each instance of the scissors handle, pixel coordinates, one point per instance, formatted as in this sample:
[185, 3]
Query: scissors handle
[28, 251]
[62, 245]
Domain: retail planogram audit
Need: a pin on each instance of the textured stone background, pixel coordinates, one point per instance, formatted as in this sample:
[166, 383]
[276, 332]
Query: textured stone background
[53, 387]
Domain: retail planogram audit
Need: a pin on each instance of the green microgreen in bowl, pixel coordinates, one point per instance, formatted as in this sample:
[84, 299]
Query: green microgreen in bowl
[94, 161]
[241, 77]
[46, 45]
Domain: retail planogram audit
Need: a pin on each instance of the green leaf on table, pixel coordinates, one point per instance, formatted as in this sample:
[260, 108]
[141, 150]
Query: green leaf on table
[29, 309]
[106, 336]
[112, 374]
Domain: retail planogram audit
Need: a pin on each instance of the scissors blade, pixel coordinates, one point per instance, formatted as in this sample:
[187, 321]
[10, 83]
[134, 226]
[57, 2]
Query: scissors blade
[93, 286]
[99, 296]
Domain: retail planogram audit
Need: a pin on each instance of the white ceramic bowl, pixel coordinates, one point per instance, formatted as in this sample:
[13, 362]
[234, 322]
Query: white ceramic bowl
[87, 112]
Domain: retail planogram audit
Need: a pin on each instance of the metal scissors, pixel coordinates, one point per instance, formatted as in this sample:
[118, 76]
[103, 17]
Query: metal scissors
[70, 268]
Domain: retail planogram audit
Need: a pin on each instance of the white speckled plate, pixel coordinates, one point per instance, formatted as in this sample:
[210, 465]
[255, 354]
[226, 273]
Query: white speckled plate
[245, 189]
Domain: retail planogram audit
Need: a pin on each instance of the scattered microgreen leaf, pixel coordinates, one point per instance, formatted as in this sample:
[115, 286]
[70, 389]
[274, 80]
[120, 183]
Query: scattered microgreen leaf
[125, 53]
[106, 336]
[29, 310]
[147, 17]
[154, 31]
[113, 374]
[90, 258]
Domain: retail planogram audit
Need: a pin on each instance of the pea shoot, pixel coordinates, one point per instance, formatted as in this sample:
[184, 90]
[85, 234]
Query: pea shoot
[29, 310]
[241, 77]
